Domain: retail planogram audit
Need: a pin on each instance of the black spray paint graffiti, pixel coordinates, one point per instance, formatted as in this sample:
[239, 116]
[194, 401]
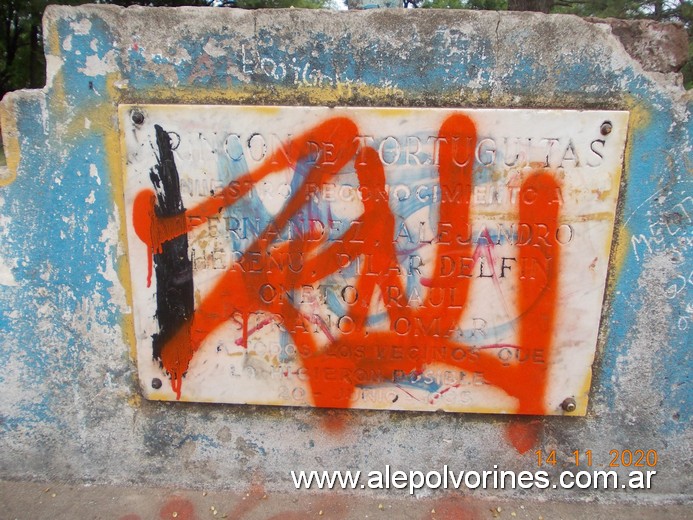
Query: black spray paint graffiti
[172, 266]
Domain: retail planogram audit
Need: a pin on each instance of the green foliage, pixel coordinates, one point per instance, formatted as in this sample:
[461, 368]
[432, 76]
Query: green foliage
[662, 10]
[444, 4]
[155, 3]
[654, 9]
[688, 67]
[21, 50]
[264, 4]
[244, 4]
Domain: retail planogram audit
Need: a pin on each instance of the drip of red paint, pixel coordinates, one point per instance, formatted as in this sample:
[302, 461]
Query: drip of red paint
[184, 509]
[523, 435]
[151, 229]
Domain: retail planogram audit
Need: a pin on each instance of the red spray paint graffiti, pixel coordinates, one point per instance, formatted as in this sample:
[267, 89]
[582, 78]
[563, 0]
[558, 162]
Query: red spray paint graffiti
[416, 336]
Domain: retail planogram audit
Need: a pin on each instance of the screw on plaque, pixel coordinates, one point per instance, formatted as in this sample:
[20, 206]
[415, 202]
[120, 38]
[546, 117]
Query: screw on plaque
[137, 117]
[569, 405]
[156, 383]
[606, 128]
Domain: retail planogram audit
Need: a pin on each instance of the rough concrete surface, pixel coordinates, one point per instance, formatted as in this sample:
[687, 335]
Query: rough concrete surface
[24, 501]
[71, 410]
[659, 47]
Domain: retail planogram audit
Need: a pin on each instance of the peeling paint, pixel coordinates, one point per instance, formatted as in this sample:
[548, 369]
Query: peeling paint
[96, 66]
[81, 27]
[6, 277]
[94, 173]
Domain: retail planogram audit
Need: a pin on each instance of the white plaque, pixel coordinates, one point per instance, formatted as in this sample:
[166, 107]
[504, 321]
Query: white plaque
[409, 259]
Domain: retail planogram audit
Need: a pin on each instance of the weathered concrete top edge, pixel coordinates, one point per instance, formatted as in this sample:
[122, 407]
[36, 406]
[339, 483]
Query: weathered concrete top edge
[654, 47]
[220, 15]
[658, 46]
[215, 15]
[58, 11]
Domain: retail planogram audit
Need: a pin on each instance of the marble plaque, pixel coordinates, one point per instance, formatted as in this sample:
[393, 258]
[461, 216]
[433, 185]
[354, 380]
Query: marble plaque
[385, 258]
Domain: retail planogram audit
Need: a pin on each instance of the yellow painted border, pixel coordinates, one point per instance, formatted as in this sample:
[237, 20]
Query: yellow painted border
[10, 140]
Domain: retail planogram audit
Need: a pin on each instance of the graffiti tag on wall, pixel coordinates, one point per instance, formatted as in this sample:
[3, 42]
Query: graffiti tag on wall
[414, 259]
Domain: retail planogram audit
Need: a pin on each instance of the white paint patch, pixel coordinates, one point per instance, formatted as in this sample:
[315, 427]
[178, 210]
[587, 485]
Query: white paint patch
[82, 27]
[91, 198]
[87, 123]
[94, 45]
[67, 43]
[44, 310]
[5, 226]
[213, 49]
[96, 66]
[113, 249]
[71, 222]
[94, 173]
[53, 66]
[181, 55]
[6, 276]
[46, 274]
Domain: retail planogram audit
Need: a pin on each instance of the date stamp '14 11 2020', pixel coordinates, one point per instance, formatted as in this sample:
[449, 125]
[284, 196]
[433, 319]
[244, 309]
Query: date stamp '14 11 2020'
[618, 458]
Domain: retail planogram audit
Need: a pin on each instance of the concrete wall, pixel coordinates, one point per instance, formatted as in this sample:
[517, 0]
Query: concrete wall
[71, 408]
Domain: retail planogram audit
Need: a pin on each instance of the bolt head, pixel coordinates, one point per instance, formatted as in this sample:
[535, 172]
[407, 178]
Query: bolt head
[156, 383]
[606, 128]
[569, 405]
[137, 117]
